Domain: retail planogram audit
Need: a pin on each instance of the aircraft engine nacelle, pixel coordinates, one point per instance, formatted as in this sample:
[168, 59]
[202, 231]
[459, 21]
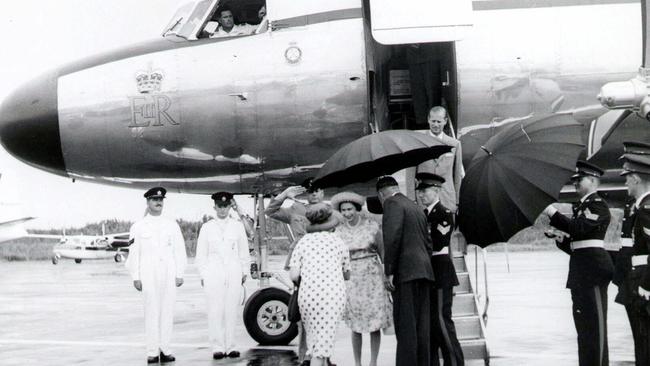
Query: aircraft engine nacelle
[633, 94]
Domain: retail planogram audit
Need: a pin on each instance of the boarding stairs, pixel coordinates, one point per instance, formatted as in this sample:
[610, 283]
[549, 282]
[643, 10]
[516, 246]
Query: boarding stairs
[469, 310]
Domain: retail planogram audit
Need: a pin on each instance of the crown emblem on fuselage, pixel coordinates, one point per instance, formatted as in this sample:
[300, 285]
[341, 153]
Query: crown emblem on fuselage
[149, 81]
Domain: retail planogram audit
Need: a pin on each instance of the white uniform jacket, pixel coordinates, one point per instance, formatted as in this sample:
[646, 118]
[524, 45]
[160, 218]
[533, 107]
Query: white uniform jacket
[222, 246]
[157, 241]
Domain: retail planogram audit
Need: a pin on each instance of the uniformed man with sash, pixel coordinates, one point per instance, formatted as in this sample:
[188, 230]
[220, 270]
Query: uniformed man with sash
[635, 292]
[590, 266]
[441, 225]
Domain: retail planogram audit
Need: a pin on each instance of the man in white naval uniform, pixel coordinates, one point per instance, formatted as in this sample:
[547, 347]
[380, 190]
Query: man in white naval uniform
[156, 262]
[223, 260]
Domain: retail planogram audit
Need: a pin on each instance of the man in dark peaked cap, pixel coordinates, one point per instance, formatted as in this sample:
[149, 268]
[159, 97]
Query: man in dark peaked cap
[634, 292]
[223, 260]
[590, 266]
[156, 262]
[441, 224]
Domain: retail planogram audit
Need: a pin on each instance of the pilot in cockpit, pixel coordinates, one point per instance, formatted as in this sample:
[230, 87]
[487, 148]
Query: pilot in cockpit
[227, 26]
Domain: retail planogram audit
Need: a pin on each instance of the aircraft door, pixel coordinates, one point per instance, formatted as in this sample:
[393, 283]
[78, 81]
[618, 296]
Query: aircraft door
[420, 21]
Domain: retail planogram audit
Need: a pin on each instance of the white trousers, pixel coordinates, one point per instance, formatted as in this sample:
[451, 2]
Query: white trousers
[159, 290]
[223, 292]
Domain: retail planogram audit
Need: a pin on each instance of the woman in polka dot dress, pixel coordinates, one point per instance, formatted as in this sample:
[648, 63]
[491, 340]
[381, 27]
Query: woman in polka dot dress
[322, 263]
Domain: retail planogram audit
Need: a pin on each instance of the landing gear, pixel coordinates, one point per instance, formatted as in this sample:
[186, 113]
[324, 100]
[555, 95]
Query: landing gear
[119, 257]
[55, 259]
[77, 260]
[266, 310]
[266, 317]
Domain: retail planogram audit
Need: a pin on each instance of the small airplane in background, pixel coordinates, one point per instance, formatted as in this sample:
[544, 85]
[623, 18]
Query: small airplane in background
[80, 247]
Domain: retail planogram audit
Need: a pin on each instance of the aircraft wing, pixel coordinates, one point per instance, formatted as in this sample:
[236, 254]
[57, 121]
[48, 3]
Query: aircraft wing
[13, 229]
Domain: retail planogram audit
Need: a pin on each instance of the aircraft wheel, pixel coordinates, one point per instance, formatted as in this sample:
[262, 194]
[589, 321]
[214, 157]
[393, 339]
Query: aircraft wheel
[119, 257]
[265, 317]
[77, 260]
[55, 260]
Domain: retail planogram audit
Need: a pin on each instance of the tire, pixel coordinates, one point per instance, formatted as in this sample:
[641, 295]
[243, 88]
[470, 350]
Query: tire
[55, 260]
[265, 317]
[119, 257]
[77, 260]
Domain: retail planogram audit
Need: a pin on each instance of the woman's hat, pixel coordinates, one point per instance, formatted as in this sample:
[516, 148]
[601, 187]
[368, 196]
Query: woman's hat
[321, 214]
[344, 197]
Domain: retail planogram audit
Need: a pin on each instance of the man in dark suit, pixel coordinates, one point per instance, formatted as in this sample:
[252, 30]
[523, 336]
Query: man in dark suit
[407, 251]
[590, 266]
[441, 224]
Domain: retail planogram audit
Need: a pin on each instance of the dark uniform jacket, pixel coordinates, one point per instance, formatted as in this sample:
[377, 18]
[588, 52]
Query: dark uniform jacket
[441, 225]
[588, 267]
[640, 276]
[407, 245]
[623, 264]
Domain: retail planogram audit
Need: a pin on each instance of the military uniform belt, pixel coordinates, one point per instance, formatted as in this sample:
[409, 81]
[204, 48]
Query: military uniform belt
[639, 260]
[591, 243]
[627, 242]
[443, 251]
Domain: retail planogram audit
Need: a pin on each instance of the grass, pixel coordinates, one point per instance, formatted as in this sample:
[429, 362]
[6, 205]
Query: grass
[26, 249]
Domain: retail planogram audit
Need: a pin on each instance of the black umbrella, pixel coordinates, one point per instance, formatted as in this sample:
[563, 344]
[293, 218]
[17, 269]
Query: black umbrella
[378, 154]
[515, 175]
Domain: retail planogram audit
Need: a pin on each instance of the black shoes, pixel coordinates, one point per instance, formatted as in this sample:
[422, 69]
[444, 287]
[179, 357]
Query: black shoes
[166, 358]
[153, 359]
[220, 355]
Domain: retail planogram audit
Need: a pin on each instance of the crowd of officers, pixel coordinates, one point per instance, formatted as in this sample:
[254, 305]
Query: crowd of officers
[417, 266]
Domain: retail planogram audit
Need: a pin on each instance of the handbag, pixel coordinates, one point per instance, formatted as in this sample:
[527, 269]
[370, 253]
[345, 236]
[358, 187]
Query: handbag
[293, 309]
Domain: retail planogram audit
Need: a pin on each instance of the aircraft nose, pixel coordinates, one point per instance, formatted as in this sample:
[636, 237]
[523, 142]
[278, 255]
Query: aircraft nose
[29, 125]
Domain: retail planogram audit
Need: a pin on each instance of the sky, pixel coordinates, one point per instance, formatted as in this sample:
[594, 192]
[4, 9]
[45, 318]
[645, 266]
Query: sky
[39, 35]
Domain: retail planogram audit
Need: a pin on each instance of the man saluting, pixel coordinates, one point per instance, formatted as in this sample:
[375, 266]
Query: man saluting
[156, 262]
[590, 267]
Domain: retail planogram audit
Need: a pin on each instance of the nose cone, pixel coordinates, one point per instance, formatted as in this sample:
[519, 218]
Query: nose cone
[29, 125]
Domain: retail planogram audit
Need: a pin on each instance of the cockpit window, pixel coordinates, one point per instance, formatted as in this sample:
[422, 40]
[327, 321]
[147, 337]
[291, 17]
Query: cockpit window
[187, 18]
[236, 18]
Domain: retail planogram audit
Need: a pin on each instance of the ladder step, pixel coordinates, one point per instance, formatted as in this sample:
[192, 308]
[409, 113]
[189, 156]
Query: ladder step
[459, 264]
[468, 327]
[464, 305]
[464, 285]
[474, 349]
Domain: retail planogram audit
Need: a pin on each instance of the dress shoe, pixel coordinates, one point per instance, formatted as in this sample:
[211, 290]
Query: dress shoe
[166, 358]
[306, 363]
[233, 354]
[218, 355]
[153, 359]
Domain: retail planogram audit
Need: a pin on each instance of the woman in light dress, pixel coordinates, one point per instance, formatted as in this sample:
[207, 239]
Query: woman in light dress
[368, 307]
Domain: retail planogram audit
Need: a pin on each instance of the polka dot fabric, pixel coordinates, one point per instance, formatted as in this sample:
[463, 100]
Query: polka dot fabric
[322, 257]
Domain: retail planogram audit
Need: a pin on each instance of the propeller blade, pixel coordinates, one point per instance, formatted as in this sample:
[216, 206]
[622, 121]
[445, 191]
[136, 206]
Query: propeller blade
[644, 29]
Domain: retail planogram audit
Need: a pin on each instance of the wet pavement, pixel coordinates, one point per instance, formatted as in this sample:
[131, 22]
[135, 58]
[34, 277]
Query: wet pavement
[89, 314]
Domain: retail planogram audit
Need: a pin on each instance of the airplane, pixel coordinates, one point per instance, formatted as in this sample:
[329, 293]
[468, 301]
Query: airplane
[12, 221]
[250, 113]
[88, 247]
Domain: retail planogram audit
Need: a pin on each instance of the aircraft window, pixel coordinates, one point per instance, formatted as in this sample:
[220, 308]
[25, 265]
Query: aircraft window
[187, 18]
[240, 18]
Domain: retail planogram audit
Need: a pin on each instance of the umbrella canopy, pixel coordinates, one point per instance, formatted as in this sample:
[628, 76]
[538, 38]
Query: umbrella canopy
[518, 172]
[376, 155]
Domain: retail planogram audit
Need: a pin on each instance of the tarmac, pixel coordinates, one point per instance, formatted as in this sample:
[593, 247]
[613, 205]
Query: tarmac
[89, 314]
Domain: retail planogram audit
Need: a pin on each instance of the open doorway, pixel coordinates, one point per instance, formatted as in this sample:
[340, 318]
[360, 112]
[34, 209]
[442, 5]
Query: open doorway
[416, 77]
